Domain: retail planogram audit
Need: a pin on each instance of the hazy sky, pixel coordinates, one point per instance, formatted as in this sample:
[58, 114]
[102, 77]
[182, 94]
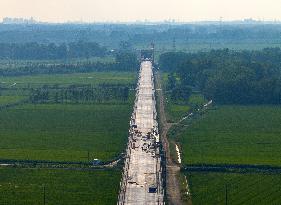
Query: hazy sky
[131, 10]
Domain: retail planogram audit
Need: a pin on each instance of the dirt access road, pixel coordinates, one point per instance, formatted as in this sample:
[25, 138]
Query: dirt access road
[173, 169]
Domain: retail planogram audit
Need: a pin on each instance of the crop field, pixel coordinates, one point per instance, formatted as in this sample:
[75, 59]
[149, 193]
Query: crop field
[234, 135]
[93, 78]
[64, 187]
[248, 135]
[176, 112]
[203, 46]
[81, 120]
[5, 100]
[197, 100]
[19, 63]
[63, 132]
[248, 188]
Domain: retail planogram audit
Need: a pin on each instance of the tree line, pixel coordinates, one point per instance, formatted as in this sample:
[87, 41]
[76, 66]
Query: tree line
[111, 34]
[51, 51]
[124, 61]
[227, 77]
[79, 94]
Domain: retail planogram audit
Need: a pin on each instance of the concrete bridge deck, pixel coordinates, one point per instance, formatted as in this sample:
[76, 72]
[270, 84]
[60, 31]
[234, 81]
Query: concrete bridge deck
[141, 181]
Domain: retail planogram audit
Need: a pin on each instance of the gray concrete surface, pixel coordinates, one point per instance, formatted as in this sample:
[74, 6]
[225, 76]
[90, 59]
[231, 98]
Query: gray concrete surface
[142, 168]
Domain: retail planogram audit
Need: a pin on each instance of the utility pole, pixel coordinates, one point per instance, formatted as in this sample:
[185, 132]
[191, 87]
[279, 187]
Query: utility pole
[44, 194]
[153, 52]
[14, 194]
[226, 199]
[174, 44]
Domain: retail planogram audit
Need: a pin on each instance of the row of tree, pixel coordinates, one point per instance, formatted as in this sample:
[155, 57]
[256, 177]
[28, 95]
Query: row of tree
[111, 34]
[124, 61]
[228, 77]
[79, 94]
[36, 51]
[179, 93]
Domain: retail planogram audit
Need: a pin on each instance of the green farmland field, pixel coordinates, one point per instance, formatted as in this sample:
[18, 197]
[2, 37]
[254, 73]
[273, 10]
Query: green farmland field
[250, 188]
[105, 59]
[231, 135]
[63, 187]
[176, 112]
[64, 132]
[5, 100]
[234, 135]
[93, 78]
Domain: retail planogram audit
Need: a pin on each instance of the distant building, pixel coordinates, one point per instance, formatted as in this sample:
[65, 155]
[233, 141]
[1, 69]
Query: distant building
[249, 20]
[8, 20]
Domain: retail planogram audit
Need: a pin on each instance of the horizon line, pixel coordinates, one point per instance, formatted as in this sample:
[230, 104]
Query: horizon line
[145, 21]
